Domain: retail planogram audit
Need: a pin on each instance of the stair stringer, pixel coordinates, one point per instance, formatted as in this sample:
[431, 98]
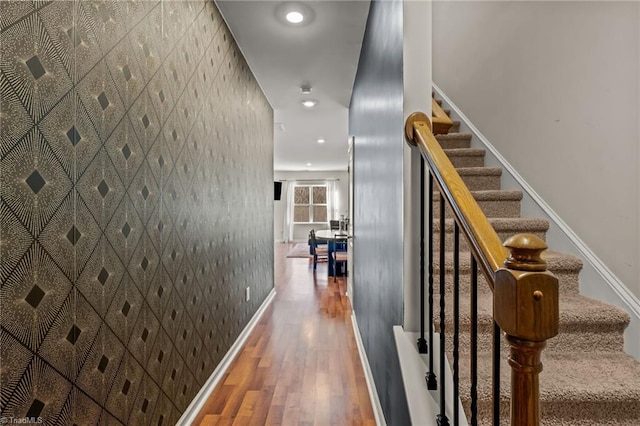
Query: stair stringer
[596, 279]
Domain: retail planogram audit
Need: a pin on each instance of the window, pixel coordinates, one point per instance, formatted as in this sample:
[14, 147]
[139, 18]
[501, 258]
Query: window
[310, 204]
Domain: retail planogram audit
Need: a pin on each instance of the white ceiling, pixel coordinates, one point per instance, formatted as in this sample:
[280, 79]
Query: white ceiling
[323, 52]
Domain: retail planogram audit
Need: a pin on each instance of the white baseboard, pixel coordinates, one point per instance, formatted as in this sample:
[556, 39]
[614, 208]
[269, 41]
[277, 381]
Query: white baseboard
[596, 279]
[424, 403]
[422, 406]
[368, 375]
[200, 399]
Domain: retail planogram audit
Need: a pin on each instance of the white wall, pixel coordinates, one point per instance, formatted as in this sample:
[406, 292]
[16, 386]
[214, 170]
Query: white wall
[301, 232]
[555, 87]
[416, 79]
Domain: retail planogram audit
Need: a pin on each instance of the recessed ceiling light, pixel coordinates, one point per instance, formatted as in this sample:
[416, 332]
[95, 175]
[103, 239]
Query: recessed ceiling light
[320, 140]
[305, 90]
[309, 103]
[294, 13]
[295, 17]
[308, 164]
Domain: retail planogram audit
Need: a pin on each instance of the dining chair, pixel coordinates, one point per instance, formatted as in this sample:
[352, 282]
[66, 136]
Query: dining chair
[334, 225]
[318, 250]
[339, 255]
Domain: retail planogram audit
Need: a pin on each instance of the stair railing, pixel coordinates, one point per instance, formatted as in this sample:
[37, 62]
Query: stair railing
[440, 120]
[525, 295]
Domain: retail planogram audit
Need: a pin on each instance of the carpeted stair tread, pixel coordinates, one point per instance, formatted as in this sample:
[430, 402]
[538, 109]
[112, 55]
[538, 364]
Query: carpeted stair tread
[585, 373]
[555, 421]
[480, 178]
[556, 261]
[454, 140]
[566, 267]
[585, 377]
[465, 152]
[577, 314]
[504, 227]
[561, 261]
[600, 386]
[479, 171]
[515, 224]
[586, 325]
[494, 195]
[466, 157]
[497, 195]
[493, 203]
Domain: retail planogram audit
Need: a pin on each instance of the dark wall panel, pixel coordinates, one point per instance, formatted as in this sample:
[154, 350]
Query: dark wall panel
[376, 121]
[135, 184]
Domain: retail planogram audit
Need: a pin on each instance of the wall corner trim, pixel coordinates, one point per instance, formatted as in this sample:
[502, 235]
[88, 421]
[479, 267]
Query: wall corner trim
[368, 375]
[201, 397]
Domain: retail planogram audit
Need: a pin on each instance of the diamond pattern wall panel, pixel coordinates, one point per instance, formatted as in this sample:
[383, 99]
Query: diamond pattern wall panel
[136, 161]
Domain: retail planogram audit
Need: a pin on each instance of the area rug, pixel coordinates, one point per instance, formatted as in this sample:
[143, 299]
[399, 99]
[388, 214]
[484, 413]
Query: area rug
[299, 250]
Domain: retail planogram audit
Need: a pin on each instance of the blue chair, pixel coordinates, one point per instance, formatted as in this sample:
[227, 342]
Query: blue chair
[318, 250]
[339, 255]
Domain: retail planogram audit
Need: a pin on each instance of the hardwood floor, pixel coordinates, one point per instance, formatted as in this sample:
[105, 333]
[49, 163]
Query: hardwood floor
[300, 365]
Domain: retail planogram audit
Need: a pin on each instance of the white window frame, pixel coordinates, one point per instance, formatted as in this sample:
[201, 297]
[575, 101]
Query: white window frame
[311, 204]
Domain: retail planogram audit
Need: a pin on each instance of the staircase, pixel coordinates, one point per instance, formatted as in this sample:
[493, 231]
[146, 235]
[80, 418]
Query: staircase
[587, 378]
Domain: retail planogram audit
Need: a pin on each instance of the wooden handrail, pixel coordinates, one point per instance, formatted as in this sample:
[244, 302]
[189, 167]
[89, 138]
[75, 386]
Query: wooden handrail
[484, 242]
[525, 295]
[441, 121]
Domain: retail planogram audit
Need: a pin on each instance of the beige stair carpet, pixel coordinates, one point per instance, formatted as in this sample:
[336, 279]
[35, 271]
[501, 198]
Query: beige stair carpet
[587, 378]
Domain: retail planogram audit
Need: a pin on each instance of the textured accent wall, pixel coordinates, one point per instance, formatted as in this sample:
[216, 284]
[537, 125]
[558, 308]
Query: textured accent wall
[136, 206]
[376, 122]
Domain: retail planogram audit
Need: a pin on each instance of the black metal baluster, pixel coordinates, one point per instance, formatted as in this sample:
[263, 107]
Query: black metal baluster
[432, 383]
[422, 343]
[456, 320]
[442, 417]
[474, 341]
[496, 374]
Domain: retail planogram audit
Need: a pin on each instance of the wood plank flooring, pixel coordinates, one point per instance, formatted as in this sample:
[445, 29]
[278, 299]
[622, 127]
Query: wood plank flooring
[300, 365]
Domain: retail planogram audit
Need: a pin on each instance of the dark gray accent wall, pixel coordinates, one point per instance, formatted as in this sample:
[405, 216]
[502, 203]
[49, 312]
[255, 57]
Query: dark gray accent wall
[136, 206]
[376, 122]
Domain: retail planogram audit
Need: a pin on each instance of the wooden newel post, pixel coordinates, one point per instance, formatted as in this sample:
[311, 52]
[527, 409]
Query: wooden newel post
[525, 307]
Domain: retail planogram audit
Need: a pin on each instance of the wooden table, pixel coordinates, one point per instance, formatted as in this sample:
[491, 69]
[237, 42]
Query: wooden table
[331, 234]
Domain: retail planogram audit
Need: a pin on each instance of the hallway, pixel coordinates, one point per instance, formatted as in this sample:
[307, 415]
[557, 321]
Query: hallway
[301, 364]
